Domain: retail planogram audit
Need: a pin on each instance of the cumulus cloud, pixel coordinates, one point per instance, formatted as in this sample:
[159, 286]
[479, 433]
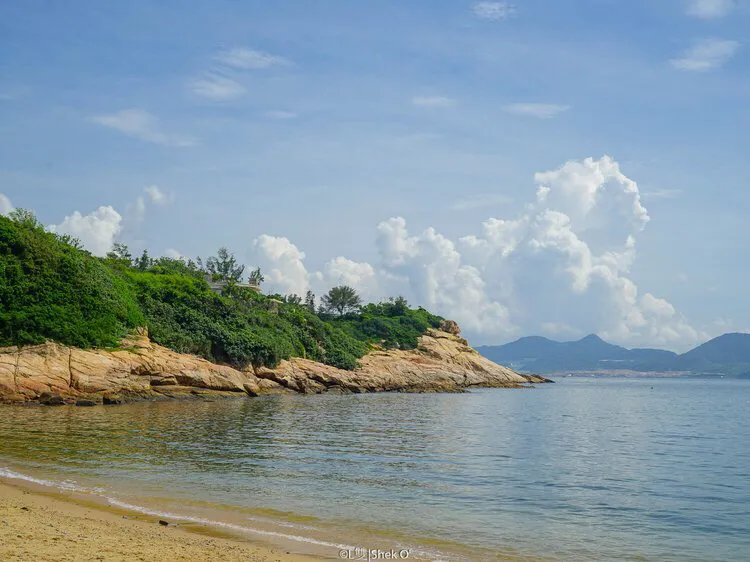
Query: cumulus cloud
[216, 87]
[561, 267]
[433, 101]
[493, 11]
[538, 110]
[5, 205]
[142, 125]
[706, 54]
[97, 231]
[285, 268]
[244, 58]
[709, 9]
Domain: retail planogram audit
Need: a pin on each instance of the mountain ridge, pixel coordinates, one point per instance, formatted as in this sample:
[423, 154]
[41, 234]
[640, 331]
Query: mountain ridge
[728, 354]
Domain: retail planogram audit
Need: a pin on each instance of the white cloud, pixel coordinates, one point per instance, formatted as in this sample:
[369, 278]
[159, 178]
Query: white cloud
[5, 205]
[538, 110]
[706, 54]
[494, 11]
[250, 59]
[157, 196]
[153, 195]
[560, 267]
[280, 114]
[141, 125]
[710, 9]
[217, 88]
[282, 263]
[96, 231]
[433, 101]
[480, 201]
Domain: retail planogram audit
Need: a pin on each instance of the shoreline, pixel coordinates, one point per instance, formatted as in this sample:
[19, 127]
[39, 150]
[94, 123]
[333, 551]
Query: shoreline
[39, 524]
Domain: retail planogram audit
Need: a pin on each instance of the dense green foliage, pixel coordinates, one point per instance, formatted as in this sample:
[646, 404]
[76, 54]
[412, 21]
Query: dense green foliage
[49, 289]
[52, 289]
[390, 324]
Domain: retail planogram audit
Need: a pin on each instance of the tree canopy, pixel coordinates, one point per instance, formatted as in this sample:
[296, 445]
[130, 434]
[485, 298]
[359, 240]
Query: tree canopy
[224, 266]
[340, 300]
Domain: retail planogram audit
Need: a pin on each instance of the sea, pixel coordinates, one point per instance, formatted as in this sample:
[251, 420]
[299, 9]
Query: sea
[589, 468]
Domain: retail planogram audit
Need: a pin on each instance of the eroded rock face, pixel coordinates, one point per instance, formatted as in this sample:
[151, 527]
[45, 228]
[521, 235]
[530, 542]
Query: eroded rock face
[450, 326]
[142, 369]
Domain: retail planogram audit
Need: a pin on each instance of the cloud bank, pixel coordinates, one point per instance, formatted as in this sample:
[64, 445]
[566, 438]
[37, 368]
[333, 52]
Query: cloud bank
[559, 268]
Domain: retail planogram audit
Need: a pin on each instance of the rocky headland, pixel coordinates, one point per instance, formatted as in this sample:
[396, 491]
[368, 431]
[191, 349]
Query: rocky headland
[56, 374]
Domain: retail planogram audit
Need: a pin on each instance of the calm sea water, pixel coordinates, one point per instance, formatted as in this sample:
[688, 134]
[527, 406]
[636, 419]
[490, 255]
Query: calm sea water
[586, 469]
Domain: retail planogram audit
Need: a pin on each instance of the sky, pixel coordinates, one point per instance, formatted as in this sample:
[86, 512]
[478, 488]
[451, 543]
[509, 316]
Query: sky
[536, 167]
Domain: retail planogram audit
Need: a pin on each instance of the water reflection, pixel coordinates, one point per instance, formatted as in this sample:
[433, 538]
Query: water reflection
[605, 468]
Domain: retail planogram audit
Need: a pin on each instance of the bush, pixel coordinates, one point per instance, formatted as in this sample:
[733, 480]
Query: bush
[50, 289]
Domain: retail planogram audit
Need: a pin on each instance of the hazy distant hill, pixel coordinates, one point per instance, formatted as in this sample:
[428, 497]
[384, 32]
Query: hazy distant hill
[728, 354]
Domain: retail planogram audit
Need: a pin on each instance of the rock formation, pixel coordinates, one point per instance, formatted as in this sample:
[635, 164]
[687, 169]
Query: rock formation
[53, 374]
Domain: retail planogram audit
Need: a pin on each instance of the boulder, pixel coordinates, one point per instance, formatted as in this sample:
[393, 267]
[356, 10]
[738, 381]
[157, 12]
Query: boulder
[51, 399]
[450, 327]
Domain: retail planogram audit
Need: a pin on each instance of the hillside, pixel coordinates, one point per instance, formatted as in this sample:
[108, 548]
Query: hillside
[53, 290]
[542, 355]
[728, 354]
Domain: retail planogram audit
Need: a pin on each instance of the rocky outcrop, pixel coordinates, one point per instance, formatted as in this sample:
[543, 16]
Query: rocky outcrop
[52, 373]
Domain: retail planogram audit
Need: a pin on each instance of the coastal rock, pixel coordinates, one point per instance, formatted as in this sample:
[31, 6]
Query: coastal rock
[53, 373]
[450, 326]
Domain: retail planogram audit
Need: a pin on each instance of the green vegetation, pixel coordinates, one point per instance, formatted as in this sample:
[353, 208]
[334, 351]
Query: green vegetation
[51, 289]
[341, 300]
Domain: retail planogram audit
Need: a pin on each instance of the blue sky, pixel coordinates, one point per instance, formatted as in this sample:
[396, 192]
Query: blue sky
[318, 122]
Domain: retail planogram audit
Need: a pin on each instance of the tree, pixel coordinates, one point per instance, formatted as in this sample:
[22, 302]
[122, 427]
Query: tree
[25, 218]
[224, 266]
[341, 299]
[398, 306]
[310, 301]
[120, 251]
[69, 240]
[144, 262]
[294, 298]
[256, 277]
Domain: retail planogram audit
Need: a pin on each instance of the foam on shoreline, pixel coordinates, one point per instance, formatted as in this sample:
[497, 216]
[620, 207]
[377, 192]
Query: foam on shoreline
[104, 498]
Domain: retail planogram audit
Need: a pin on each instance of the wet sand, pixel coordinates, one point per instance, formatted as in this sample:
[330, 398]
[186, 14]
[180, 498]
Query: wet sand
[38, 525]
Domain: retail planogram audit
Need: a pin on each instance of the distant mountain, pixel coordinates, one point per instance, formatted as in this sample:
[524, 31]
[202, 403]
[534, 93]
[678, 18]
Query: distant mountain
[728, 354]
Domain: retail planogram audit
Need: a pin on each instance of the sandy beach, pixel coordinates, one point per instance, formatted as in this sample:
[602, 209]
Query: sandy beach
[36, 525]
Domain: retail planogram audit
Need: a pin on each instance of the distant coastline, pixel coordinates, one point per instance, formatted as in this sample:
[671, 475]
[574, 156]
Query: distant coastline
[727, 355]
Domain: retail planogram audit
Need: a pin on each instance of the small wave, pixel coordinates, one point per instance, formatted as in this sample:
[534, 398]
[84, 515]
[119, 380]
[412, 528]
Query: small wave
[66, 485]
[213, 523]
[70, 486]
